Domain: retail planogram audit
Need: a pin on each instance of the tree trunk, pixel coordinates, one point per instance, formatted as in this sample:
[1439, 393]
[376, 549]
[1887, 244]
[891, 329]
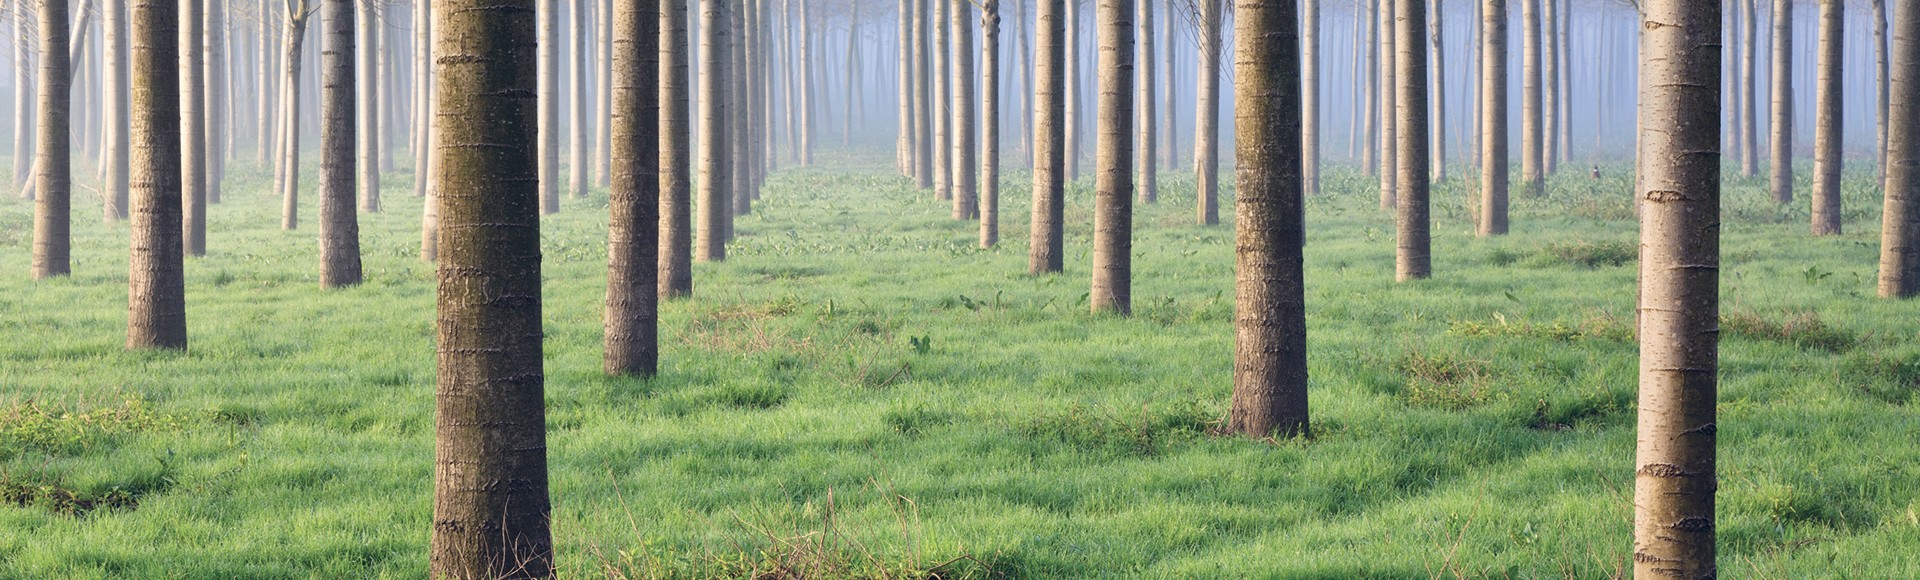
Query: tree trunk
[1750, 146]
[491, 510]
[1049, 136]
[632, 332]
[1073, 96]
[1780, 148]
[1206, 124]
[1878, 12]
[289, 169]
[903, 138]
[23, 97]
[1172, 74]
[1674, 476]
[1438, 145]
[1310, 98]
[423, 107]
[715, 173]
[966, 194]
[923, 166]
[1389, 107]
[603, 93]
[1270, 326]
[1493, 119]
[156, 285]
[339, 226]
[1827, 123]
[741, 160]
[1413, 256]
[580, 126]
[943, 158]
[271, 48]
[366, 70]
[1145, 151]
[548, 14]
[1532, 137]
[1563, 84]
[1112, 289]
[117, 182]
[805, 89]
[1370, 85]
[852, 77]
[1900, 220]
[193, 147]
[216, 112]
[676, 154]
[1550, 85]
[990, 124]
[53, 170]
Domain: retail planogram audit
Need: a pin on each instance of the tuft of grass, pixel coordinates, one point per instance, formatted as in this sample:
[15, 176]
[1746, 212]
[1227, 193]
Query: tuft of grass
[758, 396]
[1099, 428]
[1805, 329]
[1444, 380]
[1600, 326]
[62, 430]
[1585, 254]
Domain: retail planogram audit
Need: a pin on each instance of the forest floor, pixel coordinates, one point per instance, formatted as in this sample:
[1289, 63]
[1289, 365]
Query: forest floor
[859, 391]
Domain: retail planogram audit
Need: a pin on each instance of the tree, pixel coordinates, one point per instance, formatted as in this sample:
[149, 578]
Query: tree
[156, 284]
[1437, 148]
[1206, 124]
[904, 137]
[1900, 220]
[1827, 122]
[739, 134]
[339, 225]
[1145, 151]
[716, 175]
[1413, 256]
[289, 168]
[923, 163]
[491, 511]
[1679, 191]
[990, 123]
[1389, 109]
[943, 158]
[578, 162]
[425, 125]
[116, 88]
[1049, 139]
[966, 194]
[23, 96]
[1532, 131]
[1750, 135]
[633, 234]
[366, 71]
[1493, 119]
[549, 99]
[1113, 186]
[805, 71]
[1780, 147]
[218, 133]
[1878, 12]
[193, 146]
[676, 154]
[1270, 326]
[1310, 98]
[52, 207]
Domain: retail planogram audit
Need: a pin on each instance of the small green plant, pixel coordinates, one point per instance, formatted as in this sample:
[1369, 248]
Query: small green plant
[1803, 329]
[1443, 381]
[921, 344]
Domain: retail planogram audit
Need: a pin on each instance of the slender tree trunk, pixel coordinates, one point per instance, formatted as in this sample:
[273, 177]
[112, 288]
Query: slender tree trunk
[715, 173]
[491, 510]
[806, 103]
[53, 170]
[1370, 150]
[966, 194]
[1532, 136]
[1493, 119]
[1310, 97]
[366, 69]
[1674, 476]
[1026, 35]
[1563, 83]
[193, 154]
[1145, 151]
[271, 50]
[1750, 146]
[632, 332]
[903, 138]
[289, 168]
[943, 158]
[339, 226]
[548, 15]
[1900, 220]
[1828, 123]
[922, 99]
[422, 106]
[1413, 255]
[1112, 289]
[1438, 145]
[1206, 138]
[577, 105]
[990, 123]
[1073, 96]
[1878, 12]
[852, 76]
[676, 154]
[603, 92]
[1270, 326]
[1172, 141]
[1049, 136]
[156, 285]
[1389, 107]
[116, 89]
[23, 97]
[1550, 85]
[1780, 148]
[218, 133]
[739, 141]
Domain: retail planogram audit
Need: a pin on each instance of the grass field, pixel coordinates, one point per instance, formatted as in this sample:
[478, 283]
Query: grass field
[859, 391]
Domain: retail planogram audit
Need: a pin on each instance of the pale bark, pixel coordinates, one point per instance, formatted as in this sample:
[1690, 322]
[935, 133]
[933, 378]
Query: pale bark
[1780, 147]
[1532, 133]
[1073, 90]
[289, 119]
[1310, 97]
[23, 97]
[676, 154]
[1389, 107]
[990, 123]
[1493, 119]
[903, 138]
[1749, 53]
[578, 164]
[738, 131]
[603, 90]
[53, 169]
[1437, 147]
[966, 194]
[923, 166]
[1900, 219]
[1550, 85]
[1206, 126]
[1145, 152]
[1172, 141]
[633, 232]
[193, 147]
[1270, 327]
[366, 72]
[1049, 136]
[1674, 472]
[547, 14]
[215, 75]
[116, 88]
[1112, 289]
[716, 175]
[339, 224]
[423, 107]
[942, 101]
[1370, 87]
[805, 90]
[851, 74]
[156, 285]
[1828, 123]
[1878, 12]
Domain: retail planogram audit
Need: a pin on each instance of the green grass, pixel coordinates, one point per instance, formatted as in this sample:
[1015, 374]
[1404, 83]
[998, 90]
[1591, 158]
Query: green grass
[858, 390]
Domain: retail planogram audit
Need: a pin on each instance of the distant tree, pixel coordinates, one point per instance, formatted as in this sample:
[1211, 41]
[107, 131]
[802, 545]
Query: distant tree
[1049, 139]
[1206, 139]
[1827, 124]
[1532, 108]
[904, 133]
[193, 118]
[1389, 107]
[1780, 156]
[1112, 289]
[1369, 84]
[339, 224]
[1493, 119]
[942, 103]
[156, 286]
[633, 233]
[1878, 12]
[716, 174]
[115, 88]
[923, 161]
[1073, 91]
[1549, 11]
[676, 153]
[1437, 148]
[966, 193]
[1413, 255]
[1145, 151]
[548, 13]
[1750, 132]
[365, 69]
[579, 163]
[52, 208]
[1900, 220]
[214, 47]
[422, 97]
[1270, 326]
[23, 97]
[806, 103]
[1310, 97]
[288, 182]
[990, 123]
[491, 511]
[1679, 191]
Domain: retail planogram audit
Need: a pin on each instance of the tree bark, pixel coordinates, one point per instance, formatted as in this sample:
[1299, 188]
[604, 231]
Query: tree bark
[806, 103]
[1532, 133]
[1206, 124]
[1828, 123]
[1493, 119]
[966, 194]
[423, 107]
[1370, 87]
[1413, 256]
[53, 170]
[923, 165]
[339, 225]
[1112, 289]
[990, 124]
[1270, 329]
[716, 174]
[1074, 98]
[193, 154]
[1550, 85]
[676, 154]
[903, 138]
[1389, 107]
[852, 74]
[1900, 219]
[548, 14]
[366, 71]
[1310, 97]
[24, 135]
[1049, 137]
[156, 285]
[1780, 148]
[1145, 151]
[1750, 145]
[603, 92]
[290, 118]
[1172, 73]
[1878, 12]
[116, 89]
[632, 332]
[577, 104]
[739, 131]
[943, 158]
[218, 133]
[1437, 147]
[1674, 476]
